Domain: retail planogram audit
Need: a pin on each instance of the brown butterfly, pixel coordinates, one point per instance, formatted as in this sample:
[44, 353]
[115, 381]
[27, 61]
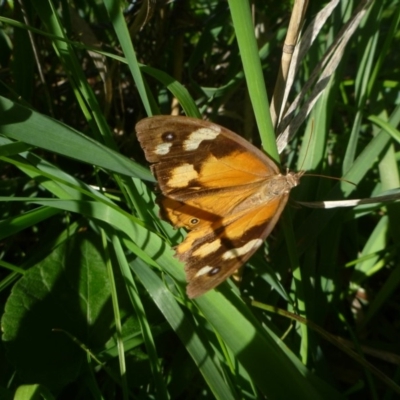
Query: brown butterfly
[225, 191]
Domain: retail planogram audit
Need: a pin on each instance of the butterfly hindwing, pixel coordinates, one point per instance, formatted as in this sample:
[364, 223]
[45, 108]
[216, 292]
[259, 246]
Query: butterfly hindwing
[220, 249]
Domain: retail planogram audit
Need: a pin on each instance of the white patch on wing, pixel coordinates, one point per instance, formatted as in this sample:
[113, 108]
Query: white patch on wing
[163, 148]
[204, 270]
[235, 253]
[196, 137]
[182, 175]
[207, 248]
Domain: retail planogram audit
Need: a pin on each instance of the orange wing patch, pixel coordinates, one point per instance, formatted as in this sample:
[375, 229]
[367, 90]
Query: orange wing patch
[232, 170]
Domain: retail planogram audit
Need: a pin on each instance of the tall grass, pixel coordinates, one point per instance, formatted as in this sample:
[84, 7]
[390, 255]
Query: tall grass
[94, 301]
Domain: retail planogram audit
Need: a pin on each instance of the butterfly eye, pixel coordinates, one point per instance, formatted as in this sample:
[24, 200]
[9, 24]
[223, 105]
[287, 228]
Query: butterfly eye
[168, 136]
[214, 271]
[194, 221]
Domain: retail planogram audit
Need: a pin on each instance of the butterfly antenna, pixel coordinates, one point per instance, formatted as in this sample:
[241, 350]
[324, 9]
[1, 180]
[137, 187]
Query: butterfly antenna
[332, 177]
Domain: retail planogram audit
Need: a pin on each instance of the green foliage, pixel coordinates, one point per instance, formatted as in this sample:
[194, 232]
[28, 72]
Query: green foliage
[93, 301]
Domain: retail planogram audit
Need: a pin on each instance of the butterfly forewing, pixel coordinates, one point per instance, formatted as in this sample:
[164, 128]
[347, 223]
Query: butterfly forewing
[223, 189]
[191, 155]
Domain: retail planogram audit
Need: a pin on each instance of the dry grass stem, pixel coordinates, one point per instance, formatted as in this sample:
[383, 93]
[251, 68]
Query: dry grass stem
[292, 36]
[291, 123]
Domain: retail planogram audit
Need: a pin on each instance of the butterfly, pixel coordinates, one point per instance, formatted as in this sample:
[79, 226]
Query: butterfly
[226, 192]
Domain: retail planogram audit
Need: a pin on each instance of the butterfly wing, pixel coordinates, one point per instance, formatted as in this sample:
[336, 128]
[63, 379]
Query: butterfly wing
[192, 156]
[214, 252]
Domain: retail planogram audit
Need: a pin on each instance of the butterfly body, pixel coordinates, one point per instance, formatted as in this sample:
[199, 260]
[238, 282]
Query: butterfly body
[225, 191]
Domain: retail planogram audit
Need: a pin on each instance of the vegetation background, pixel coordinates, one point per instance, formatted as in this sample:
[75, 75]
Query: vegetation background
[93, 302]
